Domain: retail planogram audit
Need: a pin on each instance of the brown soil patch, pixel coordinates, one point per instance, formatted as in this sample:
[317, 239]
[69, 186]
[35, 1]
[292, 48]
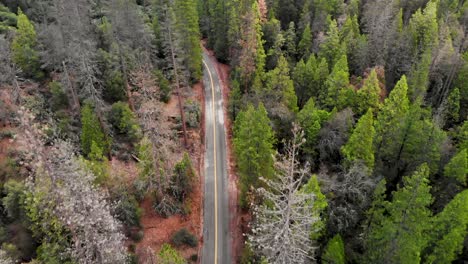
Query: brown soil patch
[158, 230]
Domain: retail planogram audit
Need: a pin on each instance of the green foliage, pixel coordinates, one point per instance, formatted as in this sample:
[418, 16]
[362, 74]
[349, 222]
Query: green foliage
[457, 168]
[334, 251]
[182, 179]
[332, 49]
[336, 83]
[24, 47]
[360, 145]
[187, 26]
[400, 234]
[424, 28]
[91, 131]
[14, 199]
[391, 118]
[52, 253]
[8, 20]
[59, 99]
[320, 204]
[164, 86]
[281, 86]
[253, 147]
[453, 106]
[168, 255]
[192, 113]
[146, 164]
[309, 78]
[235, 99]
[450, 228]
[184, 237]
[123, 120]
[311, 120]
[305, 45]
[128, 210]
[112, 75]
[369, 94]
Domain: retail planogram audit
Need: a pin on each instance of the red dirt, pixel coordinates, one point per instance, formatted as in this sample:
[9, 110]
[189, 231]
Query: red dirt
[239, 221]
[158, 230]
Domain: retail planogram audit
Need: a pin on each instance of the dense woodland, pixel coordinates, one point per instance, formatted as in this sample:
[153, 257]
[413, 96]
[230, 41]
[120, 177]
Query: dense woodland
[350, 130]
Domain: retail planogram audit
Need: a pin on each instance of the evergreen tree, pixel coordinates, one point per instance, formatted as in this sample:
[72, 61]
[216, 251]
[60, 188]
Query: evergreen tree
[189, 36]
[369, 94]
[334, 251]
[336, 83]
[279, 84]
[305, 45]
[360, 145]
[332, 49]
[253, 146]
[182, 179]
[399, 235]
[449, 230]
[311, 120]
[320, 204]
[290, 40]
[457, 168]
[391, 118]
[252, 55]
[91, 131]
[24, 47]
[453, 106]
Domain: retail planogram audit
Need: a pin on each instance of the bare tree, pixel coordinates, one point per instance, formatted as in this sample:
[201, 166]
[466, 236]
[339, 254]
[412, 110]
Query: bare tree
[352, 192]
[283, 224]
[61, 184]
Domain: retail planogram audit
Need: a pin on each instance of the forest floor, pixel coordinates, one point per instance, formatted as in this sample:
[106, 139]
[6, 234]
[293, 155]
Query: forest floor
[158, 230]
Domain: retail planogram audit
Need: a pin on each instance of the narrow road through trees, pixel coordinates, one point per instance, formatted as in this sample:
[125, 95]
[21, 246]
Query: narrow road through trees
[216, 247]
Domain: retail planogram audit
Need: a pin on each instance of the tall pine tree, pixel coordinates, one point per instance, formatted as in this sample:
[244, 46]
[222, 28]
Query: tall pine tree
[360, 145]
[253, 146]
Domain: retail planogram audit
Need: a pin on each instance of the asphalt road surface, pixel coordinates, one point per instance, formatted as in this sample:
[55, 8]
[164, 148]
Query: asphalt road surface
[216, 239]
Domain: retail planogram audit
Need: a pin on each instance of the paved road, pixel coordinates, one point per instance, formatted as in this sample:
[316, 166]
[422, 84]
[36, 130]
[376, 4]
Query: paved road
[216, 238]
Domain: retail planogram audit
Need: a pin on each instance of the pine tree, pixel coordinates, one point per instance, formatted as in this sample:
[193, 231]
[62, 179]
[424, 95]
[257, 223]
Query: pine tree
[453, 106]
[305, 45]
[360, 145]
[334, 251]
[320, 204]
[290, 40]
[449, 230]
[91, 131]
[369, 94]
[24, 47]
[252, 55]
[391, 118]
[457, 168]
[336, 83]
[253, 146]
[280, 84]
[399, 235]
[311, 120]
[189, 36]
[332, 49]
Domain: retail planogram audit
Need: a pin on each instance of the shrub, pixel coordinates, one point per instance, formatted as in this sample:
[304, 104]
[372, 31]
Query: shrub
[164, 86]
[128, 211]
[123, 120]
[181, 181]
[184, 237]
[59, 99]
[137, 236]
[166, 207]
[192, 113]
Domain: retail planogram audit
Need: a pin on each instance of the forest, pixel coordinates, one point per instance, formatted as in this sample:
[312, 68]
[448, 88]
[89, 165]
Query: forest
[347, 124]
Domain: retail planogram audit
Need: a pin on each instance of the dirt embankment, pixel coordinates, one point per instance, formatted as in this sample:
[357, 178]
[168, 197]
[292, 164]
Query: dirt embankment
[159, 230]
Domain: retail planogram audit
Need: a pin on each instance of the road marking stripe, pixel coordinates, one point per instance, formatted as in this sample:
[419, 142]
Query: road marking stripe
[215, 158]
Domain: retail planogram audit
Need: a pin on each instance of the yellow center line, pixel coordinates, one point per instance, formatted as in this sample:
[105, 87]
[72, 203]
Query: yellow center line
[214, 157]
